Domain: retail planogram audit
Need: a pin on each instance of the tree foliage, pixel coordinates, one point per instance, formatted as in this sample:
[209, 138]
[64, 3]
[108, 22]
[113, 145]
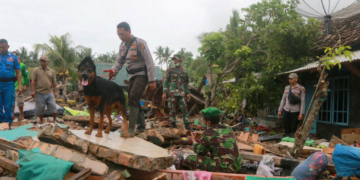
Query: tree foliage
[268, 38]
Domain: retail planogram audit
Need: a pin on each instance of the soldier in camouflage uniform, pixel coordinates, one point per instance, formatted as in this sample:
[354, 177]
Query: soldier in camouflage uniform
[176, 89]
[219, 141]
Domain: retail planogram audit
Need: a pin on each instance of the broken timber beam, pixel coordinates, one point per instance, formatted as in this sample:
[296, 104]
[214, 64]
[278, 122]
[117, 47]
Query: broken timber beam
[9, 165]
[82, 175]
[334, 141]
[9, 145]
[352, 68]
[115, 175]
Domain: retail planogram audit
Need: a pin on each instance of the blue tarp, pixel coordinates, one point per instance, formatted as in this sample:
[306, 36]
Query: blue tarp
[346, 160]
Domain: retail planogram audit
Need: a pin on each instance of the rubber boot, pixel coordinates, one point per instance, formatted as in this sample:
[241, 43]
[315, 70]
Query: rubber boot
[10, 125]
[188, 127]
[140, 122]
[173, 124]
[134, 114]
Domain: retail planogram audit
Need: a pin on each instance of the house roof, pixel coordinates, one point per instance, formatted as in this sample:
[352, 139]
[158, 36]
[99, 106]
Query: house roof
[347, 28]
[314, 65]
[122, 75]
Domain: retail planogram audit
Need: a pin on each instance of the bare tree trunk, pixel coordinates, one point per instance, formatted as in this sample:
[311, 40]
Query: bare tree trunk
[318, 99]
[65, 82]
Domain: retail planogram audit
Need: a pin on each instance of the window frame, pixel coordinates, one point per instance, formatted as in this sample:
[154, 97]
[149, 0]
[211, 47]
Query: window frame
[332, 110]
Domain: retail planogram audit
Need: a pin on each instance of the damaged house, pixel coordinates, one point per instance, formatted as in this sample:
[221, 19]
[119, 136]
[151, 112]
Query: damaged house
[341, 108]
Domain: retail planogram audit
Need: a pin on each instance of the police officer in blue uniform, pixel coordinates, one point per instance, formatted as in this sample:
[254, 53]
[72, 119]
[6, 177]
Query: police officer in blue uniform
[8, 65]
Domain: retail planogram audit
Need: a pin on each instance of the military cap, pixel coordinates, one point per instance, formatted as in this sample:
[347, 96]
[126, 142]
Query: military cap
[177, 56]
[210, 112]
[293, 75]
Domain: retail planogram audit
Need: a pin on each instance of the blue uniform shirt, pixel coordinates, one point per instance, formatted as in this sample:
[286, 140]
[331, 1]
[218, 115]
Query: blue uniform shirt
[8, 64]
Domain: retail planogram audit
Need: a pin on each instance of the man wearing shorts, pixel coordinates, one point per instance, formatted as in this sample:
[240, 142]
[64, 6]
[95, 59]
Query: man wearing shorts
[25, 83]
[43, 88]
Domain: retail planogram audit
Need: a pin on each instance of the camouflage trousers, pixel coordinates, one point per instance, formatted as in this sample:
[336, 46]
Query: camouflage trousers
[178, 100]
[213, 164]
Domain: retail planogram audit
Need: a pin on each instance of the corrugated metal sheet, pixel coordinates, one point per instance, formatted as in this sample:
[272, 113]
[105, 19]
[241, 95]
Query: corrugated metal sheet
[314, 65]
[122, 75]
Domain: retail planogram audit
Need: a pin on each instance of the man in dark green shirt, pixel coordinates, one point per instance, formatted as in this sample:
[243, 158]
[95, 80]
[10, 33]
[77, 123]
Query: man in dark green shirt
[25, 84]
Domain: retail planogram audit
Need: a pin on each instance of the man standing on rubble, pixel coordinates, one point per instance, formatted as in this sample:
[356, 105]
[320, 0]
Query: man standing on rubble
[8, 67]
[217, 150]
[292, 105]
[176, 89]
[140, 66]
[43, 86]
[25, 83]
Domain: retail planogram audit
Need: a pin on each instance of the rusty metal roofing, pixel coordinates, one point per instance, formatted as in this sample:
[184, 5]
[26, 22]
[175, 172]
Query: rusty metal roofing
[314, 65]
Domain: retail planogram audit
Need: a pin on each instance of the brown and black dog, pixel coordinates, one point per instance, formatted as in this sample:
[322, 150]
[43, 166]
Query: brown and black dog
[105, 94]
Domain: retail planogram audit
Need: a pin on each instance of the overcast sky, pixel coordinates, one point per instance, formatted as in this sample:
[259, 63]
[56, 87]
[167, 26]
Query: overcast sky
[92, 23]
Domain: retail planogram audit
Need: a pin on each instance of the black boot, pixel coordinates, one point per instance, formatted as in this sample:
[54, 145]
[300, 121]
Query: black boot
[173, 124]
[140, 122]
[9, 125]
[187, 127]
[134, 114]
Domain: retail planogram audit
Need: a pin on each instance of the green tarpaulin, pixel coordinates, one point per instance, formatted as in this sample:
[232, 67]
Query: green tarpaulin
[39, 166]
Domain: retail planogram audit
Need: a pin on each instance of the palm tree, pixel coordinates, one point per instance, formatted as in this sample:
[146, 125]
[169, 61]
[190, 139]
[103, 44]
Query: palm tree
[62, 56]
[108, 57]
[159, 55]
[85, 52]
[167, 55]
[234, 22]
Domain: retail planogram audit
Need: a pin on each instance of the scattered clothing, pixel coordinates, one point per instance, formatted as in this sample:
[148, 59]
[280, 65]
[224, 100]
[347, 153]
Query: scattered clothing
[196, 175]
[267, 167]
[346, 160]
[311, 167]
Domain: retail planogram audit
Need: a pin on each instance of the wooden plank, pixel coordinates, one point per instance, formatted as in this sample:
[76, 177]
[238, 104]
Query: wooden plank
[352, 68]
[9, 165]
[254, 137]
[82, 175]
[115, 175]
[70, 174]
[335, 140]
[350, 135]
[243, 146]
[267, 147]
[10, 145]
[244, 136]
[328, 150]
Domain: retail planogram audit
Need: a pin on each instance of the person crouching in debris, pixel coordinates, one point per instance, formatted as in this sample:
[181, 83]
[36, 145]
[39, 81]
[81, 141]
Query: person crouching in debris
[176, 89]
[220, 142]
[292, 105]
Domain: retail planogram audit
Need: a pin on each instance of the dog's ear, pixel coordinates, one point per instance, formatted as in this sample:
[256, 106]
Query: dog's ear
[88, 59]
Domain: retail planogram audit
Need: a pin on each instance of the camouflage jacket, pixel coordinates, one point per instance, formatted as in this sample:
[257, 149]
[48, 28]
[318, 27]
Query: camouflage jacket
[220, 142]
[176, 82]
